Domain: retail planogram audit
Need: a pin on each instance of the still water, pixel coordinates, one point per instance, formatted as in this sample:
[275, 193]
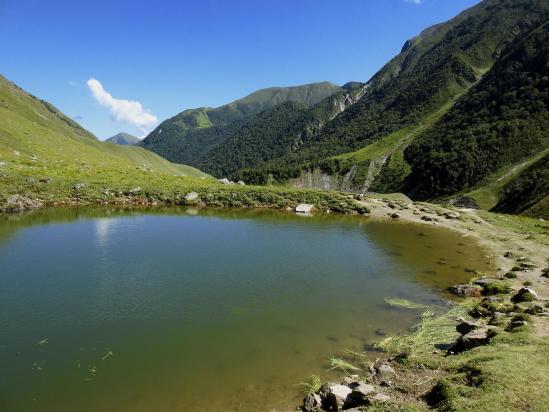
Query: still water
[176, 310]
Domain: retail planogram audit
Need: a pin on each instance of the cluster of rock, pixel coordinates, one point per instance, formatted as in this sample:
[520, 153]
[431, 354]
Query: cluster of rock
[226, 181]
[18, 203]
[352, 394]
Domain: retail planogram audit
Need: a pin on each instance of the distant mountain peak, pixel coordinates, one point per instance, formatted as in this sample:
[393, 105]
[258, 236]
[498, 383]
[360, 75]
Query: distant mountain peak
[123, 139]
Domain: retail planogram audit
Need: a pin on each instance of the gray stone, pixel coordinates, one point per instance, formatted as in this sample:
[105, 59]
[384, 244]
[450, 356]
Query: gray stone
[380, 397]
[191, 196]
[359, 396]
[79, 186]
[476, 337]
[385, 372]
[241, 183]
[395, 215]
[304, 208]
[312, 403]
[226, 181]
[334, 396]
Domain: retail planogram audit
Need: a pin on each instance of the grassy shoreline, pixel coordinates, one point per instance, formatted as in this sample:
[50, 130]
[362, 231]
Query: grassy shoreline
[509, 373]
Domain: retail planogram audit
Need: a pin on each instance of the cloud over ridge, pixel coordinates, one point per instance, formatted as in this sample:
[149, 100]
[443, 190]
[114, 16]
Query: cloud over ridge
[122, 110]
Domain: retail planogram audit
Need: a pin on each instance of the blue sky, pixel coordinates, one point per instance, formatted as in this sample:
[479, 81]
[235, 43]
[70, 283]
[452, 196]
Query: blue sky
[170, 55]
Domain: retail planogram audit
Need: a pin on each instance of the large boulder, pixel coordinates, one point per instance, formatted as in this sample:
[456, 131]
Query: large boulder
[334, 396]
[304, 208]
[360, 395]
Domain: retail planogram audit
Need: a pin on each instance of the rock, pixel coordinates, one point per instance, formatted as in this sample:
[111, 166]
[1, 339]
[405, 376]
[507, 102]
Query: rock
[334, 396]
[135, 190]
[17, 203]
[79, 186]
[525, 295]
[350, 381]
[395, 215]
[465, 290]
[517, 324]
[304, 208]
[483, 281]
[497, 318]
[191, 196]
[426, 218]
[381, 397]
[545, 273]
[534, 310]
[241, 183]
[385, 372]
[451, 215]
[225, 181]
[477, 337]
[359, 396]
[312, 403]
[464, 327]
[464, 202]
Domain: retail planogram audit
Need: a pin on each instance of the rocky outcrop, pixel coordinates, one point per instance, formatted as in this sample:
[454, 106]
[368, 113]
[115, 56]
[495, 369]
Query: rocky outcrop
[18, 203]
[317, 179]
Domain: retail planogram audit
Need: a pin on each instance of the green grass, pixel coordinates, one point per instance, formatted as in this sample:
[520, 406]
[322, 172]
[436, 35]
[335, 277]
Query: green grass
[498, 376]
[489, 193]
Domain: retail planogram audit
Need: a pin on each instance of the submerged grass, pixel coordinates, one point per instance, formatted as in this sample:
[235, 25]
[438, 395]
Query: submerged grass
[311, 385]
[403, 303]
[340, 364]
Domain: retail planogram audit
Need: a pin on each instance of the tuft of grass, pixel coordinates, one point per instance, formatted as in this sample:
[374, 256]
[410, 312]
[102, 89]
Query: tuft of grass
[311, 385]
[497, 287]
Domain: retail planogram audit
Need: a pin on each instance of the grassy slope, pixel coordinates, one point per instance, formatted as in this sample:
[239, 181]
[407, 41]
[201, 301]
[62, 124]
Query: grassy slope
[489, 194]
[30, 127]
[180, 137]
[49, 159]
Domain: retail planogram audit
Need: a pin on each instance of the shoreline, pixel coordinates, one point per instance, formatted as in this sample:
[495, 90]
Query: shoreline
[526, 238]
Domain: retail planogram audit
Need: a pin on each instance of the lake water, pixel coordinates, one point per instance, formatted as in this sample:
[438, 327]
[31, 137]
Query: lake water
[176, 310]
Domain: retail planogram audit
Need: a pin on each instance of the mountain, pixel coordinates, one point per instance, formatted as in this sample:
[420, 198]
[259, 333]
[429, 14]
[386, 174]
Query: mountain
[124, 139]
[183, 137]
[460, 112]
[42, 149]
[502, 120]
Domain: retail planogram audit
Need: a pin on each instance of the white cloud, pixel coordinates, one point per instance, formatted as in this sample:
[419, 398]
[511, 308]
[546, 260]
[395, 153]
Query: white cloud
[124, 111]
[414, 1]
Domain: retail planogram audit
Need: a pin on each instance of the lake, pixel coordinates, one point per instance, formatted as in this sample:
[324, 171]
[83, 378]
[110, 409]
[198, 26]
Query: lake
[173, 310]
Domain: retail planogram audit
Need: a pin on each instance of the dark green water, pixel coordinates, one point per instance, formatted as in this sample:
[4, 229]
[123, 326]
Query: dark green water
[106, 310]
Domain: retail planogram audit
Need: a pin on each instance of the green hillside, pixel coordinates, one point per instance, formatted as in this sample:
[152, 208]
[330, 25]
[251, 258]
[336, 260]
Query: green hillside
[124, 139]
[502, 120]
[43, 150]
[183, 139]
